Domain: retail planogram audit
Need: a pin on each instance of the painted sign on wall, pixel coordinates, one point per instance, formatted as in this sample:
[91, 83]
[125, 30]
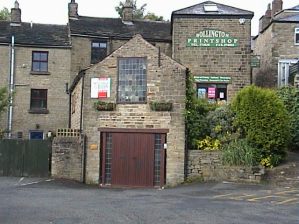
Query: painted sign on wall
[212, 38]
[213, 79]
[100, 87]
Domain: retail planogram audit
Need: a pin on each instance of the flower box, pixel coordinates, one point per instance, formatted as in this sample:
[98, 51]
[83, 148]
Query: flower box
[161, 106]
[104, 106]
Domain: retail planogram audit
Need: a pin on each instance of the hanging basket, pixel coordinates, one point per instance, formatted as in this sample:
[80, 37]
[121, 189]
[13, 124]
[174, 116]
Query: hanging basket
[161, 106]
[104, 106]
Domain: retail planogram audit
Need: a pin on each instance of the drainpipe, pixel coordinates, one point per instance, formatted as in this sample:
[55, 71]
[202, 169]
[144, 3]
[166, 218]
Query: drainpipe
[11, 85]
[81, 106]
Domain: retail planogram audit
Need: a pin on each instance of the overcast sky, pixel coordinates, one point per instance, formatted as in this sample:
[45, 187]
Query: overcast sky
[55, 11]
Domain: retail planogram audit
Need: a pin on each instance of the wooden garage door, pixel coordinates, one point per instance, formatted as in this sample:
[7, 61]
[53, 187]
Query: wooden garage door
[133, 159]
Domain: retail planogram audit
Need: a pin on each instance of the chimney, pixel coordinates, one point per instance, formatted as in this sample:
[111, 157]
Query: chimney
[73, 10]
[128, 11]
[266, 19]
[15, 16]
[276, 7]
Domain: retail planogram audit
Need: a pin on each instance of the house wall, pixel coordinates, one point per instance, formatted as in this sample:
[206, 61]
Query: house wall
[4, 73]
[59, 69]
[76, 105]
[275, 43]
[81, 51]
[214, 61]
[166, 82]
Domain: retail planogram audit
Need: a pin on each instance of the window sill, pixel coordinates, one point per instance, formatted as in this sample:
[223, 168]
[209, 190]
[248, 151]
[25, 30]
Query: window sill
[38, 111]
[39, 73]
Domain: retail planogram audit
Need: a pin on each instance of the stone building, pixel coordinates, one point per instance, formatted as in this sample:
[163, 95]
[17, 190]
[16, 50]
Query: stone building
[35, 63]
[137, 144]
[126, 79]
[214, 42]
[277, 44]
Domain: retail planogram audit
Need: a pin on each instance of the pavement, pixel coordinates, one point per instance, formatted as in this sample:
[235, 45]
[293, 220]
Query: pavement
[39, 201]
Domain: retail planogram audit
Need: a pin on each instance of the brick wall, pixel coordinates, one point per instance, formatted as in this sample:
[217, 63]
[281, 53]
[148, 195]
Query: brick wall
[221, 61]
[166, 82]
[67, 158]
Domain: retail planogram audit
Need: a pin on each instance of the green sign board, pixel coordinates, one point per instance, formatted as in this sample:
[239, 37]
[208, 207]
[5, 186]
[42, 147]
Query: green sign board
[212, 38]
[214, 79]
[255, 61]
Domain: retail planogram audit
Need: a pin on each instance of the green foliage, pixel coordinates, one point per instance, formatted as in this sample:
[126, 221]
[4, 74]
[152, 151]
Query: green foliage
[3, 105]
[290, 97]
[208, 144]
[263, 117]
[138, 13]
[221, 125]
[3, 99]
[161, 106]
[195, 115]
[4, 14]
[240, 153]
[104, 106]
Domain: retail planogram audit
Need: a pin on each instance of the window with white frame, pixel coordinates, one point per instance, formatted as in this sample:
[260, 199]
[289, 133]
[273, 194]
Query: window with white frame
[296, 36]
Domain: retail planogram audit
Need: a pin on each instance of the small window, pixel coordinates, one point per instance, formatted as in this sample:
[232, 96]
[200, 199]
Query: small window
[296, 36]
[212, 92]
[210, 7]
[40, 61]
[98, 51]
[38, 100]
[36, 135]
[132, 80]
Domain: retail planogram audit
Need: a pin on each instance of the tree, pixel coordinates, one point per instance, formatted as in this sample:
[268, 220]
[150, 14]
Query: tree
[3, 104]
[138, 13]
[4, 14]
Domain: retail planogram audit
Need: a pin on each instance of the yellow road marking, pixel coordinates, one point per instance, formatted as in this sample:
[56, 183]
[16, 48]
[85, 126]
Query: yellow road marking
[258, 198]
[242, 196]
[287, 201]
[223, 195]
[285, 192]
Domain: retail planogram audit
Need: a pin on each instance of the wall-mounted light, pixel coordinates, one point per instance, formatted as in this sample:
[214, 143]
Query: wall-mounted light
[242, 21]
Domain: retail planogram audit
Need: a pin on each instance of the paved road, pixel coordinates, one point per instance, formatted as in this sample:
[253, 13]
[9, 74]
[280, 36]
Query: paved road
[28, 201]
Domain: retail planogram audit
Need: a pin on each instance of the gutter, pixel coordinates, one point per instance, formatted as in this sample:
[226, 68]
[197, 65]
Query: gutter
[11, 86]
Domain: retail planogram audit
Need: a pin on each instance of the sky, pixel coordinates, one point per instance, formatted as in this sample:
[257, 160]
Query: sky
[55, 11]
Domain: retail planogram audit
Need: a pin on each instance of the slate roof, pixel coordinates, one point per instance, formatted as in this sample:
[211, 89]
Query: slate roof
[116, 28]
[291, 18]
[37, 35]
[223, 10]
[288, 15]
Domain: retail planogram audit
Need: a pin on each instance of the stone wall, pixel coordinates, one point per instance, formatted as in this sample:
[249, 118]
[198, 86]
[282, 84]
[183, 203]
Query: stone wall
[207, 165]
[164, 83]
[233, 62]
[275, 43]
[67, 158]
[54, 81]
[81, 51]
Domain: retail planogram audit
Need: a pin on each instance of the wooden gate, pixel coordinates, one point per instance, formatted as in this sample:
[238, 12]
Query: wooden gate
[133, 159]
[25, 157]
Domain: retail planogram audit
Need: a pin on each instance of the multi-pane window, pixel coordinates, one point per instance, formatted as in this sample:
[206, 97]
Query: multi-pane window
[297, 36]
[98, 51]
[36, 135]
[132, 81]
[40, 61]
[38, 100]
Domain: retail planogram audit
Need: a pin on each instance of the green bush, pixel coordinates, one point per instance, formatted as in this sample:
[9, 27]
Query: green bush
[263, 118]
[240, 153]
[290, 97]
[221, 124]
[195, 115]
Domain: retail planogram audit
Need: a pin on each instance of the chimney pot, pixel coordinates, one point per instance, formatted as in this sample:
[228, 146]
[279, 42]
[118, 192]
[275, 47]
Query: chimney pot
[127, 15]
[73, 9]
[15, 14]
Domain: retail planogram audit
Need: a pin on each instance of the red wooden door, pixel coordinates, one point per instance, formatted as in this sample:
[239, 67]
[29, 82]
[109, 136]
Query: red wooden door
[133, 159]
